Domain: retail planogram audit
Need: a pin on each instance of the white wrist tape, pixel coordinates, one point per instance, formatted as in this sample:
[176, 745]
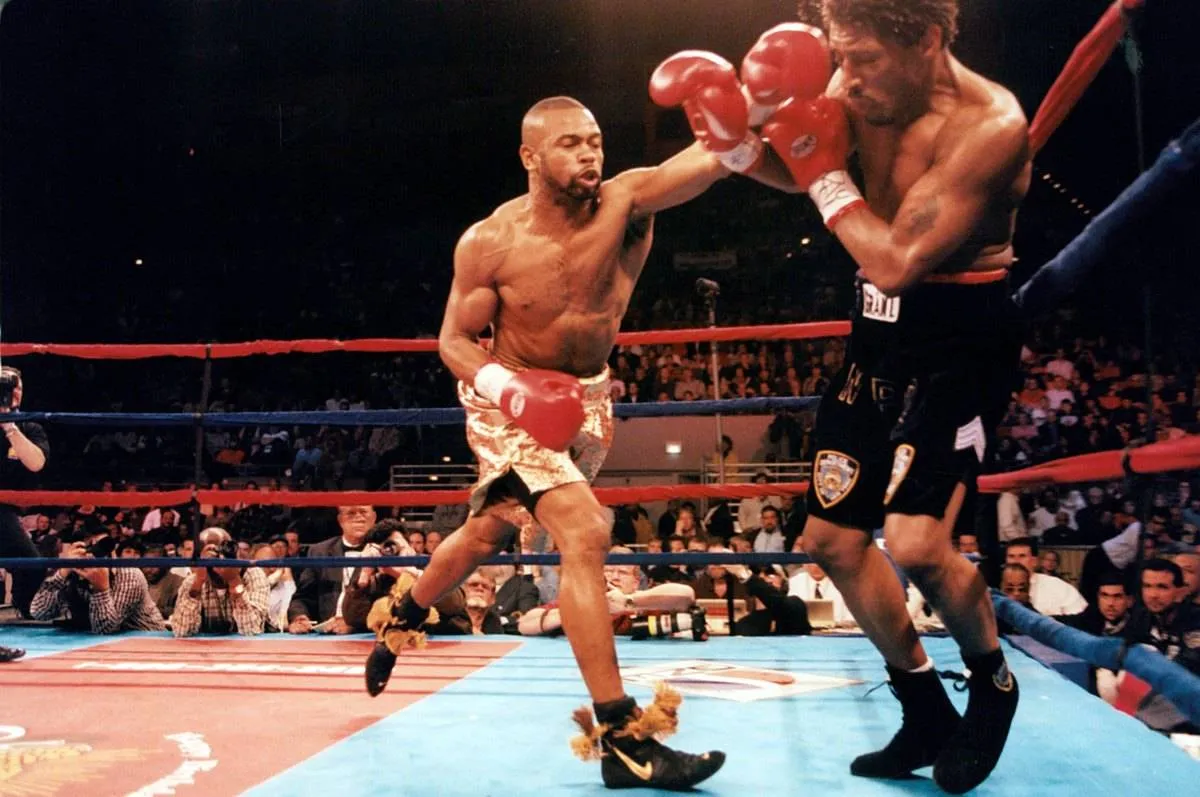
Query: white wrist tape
[745, 156]
[490, 381]
[834, 194]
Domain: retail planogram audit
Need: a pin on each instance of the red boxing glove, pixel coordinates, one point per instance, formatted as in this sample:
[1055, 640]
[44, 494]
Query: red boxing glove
[812, 138]
[789, 60]
[546, 404]
[707, 87]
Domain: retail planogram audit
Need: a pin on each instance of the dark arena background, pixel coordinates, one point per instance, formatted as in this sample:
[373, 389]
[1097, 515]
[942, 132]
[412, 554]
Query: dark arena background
[179, 175]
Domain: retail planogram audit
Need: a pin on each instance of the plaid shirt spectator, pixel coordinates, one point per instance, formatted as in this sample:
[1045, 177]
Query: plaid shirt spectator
[125, 606]
[218, 610]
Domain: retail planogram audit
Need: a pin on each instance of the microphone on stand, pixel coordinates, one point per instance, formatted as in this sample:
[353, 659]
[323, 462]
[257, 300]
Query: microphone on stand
[707, 287]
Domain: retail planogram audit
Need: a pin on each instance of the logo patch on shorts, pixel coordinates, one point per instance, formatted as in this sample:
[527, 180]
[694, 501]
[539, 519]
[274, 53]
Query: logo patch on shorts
[901, 462]
[879, 307]
[834, 476]
[970, 436]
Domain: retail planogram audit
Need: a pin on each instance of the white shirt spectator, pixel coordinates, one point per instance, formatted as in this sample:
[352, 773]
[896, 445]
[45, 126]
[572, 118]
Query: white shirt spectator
[1042, 518]
[153, 520]
[749, 514]
[1050, 595]
[768, 541]
[1011, 525]
[1063, 368]
[807, 588]
[616, 389]
[1057, 397]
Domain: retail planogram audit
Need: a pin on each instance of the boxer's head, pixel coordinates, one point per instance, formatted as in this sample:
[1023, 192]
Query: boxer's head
[562, 149]
[887, 51]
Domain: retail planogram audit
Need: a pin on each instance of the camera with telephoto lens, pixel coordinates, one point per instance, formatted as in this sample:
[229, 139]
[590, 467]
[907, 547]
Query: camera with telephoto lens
[659, 626]
[381, 535]
[226, 549]
[10, 378]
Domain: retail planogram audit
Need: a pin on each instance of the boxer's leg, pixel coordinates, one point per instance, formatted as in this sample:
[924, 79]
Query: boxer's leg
[630, 756]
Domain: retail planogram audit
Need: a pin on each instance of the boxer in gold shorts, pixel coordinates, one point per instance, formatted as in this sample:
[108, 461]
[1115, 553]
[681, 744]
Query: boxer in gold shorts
[551, 274]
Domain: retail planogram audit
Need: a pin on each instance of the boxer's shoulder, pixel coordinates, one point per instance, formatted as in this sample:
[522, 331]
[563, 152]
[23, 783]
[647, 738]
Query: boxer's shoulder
[487, 241]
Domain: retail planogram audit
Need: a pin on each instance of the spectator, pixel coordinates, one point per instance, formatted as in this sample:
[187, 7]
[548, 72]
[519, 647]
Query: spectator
[750, 509]
[728, 455]
[1015, 581]
[515, 593]
[281, 584]
[221, 600]
[319, 592]
[162, 582]
[712, 582]
[1048, 563]
[1172, 627]
[416, 540]
[774, 612]
[23, 453]
[1061, 532]
[1049, 595]
[968, 543]
[1110, 614]
[1045, 516]
[812, 584]
[480, 588]
[1159, 529]
[1011, 523]
[97, 599]
[769, 538]
[1189, 565]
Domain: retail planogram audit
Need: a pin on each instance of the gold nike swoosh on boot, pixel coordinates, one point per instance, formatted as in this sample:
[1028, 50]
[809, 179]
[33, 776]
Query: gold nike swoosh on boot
[643, 771]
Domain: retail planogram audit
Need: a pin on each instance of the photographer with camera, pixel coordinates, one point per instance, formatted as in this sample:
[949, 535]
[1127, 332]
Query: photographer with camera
[221, 600]
[97, 599]
[24, 453]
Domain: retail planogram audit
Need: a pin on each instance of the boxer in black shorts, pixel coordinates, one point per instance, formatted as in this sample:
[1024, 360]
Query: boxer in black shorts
[903, 430]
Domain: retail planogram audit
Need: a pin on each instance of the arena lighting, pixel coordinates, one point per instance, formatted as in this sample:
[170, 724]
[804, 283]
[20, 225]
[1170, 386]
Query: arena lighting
[674, 449]
[137, 262]
[805, 241]
[433, 478]
[445, 459]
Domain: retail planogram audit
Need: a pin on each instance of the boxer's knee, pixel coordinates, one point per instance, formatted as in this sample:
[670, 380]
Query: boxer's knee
[916, 543]
[836, 549]
[586, 537]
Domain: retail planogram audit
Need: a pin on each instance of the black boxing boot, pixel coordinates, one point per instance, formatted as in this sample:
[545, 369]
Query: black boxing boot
[397, 632]
[10, 654]
[974, 750]
[630, 756]
[929, 721]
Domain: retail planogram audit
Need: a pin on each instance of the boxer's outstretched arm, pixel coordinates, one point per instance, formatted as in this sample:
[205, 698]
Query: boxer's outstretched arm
[676, 180]
[944, 206]
[472, 304]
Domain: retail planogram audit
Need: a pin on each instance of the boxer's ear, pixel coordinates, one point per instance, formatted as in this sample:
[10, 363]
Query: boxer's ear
[528, 159]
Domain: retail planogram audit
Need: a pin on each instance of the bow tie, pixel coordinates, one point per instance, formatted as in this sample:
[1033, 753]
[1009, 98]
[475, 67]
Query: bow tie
[358, 548]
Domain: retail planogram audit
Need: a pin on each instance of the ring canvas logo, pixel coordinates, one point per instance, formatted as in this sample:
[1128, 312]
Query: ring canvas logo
[736, 682]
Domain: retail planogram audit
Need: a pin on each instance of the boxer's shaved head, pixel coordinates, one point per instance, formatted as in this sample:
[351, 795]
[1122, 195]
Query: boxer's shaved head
[562, 149]
[534, 126]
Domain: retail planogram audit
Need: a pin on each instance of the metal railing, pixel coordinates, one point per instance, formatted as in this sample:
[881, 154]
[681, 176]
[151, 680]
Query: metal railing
[446, 476]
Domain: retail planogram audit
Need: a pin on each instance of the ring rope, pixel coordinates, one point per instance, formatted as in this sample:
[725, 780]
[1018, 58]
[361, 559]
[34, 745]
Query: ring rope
[226, 351]
[430, 416]
[1164, 457]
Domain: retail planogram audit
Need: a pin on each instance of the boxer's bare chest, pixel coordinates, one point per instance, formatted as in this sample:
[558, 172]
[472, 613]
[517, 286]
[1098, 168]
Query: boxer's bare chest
[587, 271]
[893, 160]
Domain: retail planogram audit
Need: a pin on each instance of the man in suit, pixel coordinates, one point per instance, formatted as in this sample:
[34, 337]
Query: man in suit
[515, 595]
[317, 604]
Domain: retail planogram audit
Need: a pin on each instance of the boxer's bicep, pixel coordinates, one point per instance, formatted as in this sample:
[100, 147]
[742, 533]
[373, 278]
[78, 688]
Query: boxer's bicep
[678, 179]
[470, 308]
[946, 205]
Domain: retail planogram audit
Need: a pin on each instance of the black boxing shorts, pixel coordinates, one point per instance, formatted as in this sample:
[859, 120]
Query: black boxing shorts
[914, 410]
